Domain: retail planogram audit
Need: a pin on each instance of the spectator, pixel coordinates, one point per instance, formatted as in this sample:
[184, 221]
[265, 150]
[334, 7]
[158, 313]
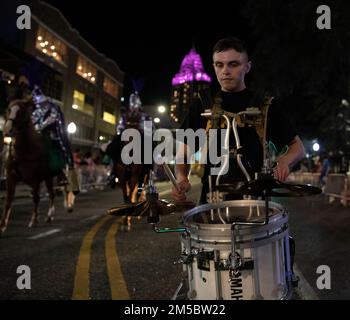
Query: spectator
[325, 165]
[77, 157]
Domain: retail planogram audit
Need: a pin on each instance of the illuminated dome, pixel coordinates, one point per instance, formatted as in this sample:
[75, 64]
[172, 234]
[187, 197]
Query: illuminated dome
[191, 69]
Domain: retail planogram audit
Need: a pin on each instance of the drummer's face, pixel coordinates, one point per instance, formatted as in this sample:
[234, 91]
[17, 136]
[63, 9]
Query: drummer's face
[230, 68]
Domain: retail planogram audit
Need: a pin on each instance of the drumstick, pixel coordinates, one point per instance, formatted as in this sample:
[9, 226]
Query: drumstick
[170, 175]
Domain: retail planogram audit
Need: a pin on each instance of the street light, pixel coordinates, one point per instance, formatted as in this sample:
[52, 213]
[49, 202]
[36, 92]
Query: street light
[161, 109]
[71, 128]
[156, 120]
[345, 102]
[315, 147]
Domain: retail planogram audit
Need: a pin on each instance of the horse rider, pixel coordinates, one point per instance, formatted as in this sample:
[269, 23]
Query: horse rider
[134, 117]
[48, 119]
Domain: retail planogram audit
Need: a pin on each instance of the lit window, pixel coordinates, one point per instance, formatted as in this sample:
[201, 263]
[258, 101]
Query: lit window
[86, 69]
[83, 103]
[108, 117]
[110, 87]
[50, 45]
[108, 114]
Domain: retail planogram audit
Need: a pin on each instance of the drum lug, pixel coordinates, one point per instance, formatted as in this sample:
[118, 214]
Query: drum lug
[184, 259]
[235, 264]
[178, 261]
[246, 264]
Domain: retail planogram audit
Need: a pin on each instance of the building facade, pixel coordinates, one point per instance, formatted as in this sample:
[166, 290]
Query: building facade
[84, 82]
[186, 84]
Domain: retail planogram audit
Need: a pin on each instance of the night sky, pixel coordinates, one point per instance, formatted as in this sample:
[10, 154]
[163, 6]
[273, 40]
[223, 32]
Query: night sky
[148, 42]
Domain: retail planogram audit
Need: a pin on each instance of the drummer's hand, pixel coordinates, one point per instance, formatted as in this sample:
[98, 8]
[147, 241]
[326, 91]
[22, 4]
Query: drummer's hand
[281, 171]
[184, 186]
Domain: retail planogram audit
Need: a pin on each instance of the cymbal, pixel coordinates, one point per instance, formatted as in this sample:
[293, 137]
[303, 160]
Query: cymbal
[275, 188]
[149, 207]
[128, 209]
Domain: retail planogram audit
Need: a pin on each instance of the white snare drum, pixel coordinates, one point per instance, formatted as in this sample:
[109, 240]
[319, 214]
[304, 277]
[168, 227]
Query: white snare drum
[262, 250]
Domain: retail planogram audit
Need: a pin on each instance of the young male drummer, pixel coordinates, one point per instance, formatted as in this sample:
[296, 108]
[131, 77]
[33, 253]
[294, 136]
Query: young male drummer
[231, 64]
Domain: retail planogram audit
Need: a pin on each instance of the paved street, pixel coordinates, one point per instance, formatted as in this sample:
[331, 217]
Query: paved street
[86, 255]
[80, 254]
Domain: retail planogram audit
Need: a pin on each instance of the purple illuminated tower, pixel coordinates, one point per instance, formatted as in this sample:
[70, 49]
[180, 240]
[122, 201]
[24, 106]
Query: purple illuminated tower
[187, 83]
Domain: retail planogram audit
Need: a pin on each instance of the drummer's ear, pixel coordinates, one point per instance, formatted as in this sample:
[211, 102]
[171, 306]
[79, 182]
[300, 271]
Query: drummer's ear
[248, 66]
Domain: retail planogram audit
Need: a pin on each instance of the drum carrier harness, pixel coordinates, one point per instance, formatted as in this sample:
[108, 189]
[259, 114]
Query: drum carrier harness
[251, 117]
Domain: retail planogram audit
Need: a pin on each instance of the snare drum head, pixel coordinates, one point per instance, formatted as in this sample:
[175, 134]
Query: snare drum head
[228, 212]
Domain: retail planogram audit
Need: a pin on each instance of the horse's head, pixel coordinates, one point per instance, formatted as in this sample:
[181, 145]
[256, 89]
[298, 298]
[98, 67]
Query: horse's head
[18, 116]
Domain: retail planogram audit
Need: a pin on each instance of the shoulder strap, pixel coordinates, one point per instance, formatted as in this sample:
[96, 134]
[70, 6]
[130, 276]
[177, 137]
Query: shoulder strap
[260, 123]
[216, 109]
[261, 126]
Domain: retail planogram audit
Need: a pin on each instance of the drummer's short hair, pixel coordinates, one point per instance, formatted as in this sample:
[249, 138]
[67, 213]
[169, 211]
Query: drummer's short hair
[230, 43]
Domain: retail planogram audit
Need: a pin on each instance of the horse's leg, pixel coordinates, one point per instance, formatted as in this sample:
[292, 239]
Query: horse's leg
[10, 192]
[134, 184]
[128, 200]
[50, 213]
[70, 201]
[36, 198]
[134, 181]
[143, 180]
[128, 191]
[123, 183]
[121, 173]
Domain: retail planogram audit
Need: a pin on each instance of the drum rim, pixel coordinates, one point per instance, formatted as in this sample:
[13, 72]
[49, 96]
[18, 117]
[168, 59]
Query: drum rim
[231, 203]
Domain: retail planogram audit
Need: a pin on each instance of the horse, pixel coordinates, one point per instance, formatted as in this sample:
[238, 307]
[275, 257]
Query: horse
[27, 161]
[131, 177]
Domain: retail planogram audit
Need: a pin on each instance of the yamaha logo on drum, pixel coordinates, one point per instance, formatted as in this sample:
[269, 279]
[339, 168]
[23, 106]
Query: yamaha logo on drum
[236, 287]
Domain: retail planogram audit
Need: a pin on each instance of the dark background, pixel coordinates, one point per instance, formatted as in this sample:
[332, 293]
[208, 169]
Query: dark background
[149, 41]
[305, 67]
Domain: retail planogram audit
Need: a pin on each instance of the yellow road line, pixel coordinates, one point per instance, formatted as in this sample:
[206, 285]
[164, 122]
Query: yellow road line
[117, 284]
[81, 289]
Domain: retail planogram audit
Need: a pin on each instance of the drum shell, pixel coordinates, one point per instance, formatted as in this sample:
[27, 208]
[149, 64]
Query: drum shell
[264, 245]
